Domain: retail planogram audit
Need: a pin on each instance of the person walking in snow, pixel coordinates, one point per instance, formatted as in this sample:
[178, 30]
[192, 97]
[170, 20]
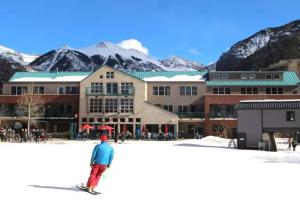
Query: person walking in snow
[290, 143]
[101, 159]
[294, 142]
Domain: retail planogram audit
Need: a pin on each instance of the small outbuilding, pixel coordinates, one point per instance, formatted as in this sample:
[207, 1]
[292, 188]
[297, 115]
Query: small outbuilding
[258, 118]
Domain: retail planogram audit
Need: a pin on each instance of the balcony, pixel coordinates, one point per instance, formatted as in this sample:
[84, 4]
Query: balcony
[221, 115]
[190, 114]
[94, 92]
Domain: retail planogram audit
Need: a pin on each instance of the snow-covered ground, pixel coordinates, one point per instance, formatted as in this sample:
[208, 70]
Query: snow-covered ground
[184, 169]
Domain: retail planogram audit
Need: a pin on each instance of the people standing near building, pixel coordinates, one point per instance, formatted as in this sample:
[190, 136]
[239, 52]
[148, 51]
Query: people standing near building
[101, 159]
[290, 143]
[116, 136]
[294, 142]
[23, 136]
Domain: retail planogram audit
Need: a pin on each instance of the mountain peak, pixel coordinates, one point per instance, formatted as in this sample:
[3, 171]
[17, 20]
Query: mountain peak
[263, 48]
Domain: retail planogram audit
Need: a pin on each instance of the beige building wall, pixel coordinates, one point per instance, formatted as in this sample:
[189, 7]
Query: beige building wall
[175, 99]
[49, 88]
[148, 113]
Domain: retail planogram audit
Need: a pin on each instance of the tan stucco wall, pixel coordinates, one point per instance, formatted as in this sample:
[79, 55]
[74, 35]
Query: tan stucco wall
[175, 98]
[148, 113]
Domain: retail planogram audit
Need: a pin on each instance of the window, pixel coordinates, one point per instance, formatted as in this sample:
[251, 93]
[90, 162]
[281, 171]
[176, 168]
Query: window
[91, 120]
[215, 90]
[130, 119]
[268, 90]
[60, 90]
[221, 90]
[112, 88]
[268, 76]
[101, 76]
[161, 90]
[96, 88]
[188, 90]
[38, 90]
[216, 76]
[115, 119]
[274, 90]
[155, 90]
[252, 76]
[194, 91]
[99, 119]
[276, 76]
[138, 120]
[83, 119]
[126, 105]
[243, 90]
[249, 90]
[106, 120]
[244, 76]
[182, 108]
[126, 88]
[111, 105]
[224, 76]
[168, 108]
[18, 90]
[255, 90]
[110, 74]
[96, 105]
[72, 90]
[122, 119]
[290, 116]
[69, 109]
[227, 90]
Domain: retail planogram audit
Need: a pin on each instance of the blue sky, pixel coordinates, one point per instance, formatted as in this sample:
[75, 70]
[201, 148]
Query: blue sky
[195, 29]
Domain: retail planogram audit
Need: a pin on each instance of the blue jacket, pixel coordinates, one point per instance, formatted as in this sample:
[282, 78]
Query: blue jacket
[102, 154]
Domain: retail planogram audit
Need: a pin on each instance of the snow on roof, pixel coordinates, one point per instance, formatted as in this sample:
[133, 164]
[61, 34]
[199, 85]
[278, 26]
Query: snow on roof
[49, 76]
[182, 78]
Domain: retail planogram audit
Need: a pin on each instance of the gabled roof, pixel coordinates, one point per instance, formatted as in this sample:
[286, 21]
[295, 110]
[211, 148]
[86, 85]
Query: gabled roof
[289, 79]
[48, 76]
[170, 75]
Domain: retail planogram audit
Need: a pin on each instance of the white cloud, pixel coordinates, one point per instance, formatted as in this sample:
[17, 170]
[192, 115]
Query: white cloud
[133, 44]
[194, 51]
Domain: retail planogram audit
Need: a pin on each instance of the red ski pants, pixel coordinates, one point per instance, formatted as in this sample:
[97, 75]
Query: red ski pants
[95, 175]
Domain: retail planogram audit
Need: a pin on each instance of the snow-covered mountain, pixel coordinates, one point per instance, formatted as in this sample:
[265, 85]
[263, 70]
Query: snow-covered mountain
[63, 59]
[107, 53]
[16, 57]
[174, 63]
[120, 58]
[265, 47]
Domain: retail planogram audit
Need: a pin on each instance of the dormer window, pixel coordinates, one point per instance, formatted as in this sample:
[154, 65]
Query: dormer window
[268, 76]
[224, 76]
[252, 76]
[217, 76]
[276, 76]
[244, 76]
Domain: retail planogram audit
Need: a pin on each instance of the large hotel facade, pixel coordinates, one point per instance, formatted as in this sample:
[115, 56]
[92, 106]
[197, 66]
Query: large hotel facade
[186, 103]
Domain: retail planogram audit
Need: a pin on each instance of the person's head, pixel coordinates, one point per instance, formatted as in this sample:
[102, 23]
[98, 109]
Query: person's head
[103, 138]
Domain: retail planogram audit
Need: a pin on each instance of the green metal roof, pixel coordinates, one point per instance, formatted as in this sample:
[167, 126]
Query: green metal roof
[289, 79]
[142, 75]
[43, 76]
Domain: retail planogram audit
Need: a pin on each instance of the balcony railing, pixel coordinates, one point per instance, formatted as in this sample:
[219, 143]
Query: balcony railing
[190, 114]
[221, 115]
[94, 92]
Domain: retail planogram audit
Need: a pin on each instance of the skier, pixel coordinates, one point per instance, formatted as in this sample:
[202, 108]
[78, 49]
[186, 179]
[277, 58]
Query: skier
[101, 159]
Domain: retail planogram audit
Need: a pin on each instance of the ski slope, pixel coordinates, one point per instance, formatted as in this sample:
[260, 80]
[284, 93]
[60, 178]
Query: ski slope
[149, 170]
